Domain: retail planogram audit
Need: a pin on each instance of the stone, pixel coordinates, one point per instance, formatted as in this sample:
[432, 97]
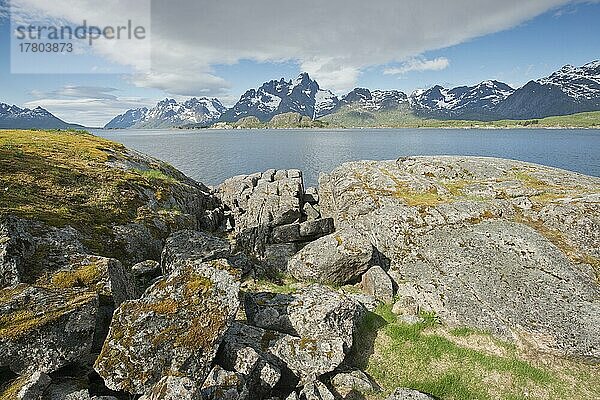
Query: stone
[338, 258]
[310, 230]
[315, 312]
[174, 388]
[310, 211]
[145, 274]
[377, 283]
[44, 329]
[277, 256]
[476, 239]
[354, 381]
[16, 246]
[307, 358]
[136, 242]
[504, 277]
[192, 245]
[260, 375]
[409, 394]
[287, 233]
[224, 385]
[27, 387]
[316, 390]
[311, 195]
[174, 328]
[406, 306]
[275, 199]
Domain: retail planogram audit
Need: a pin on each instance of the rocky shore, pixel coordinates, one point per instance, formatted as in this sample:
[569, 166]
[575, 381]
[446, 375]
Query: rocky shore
[121, 278]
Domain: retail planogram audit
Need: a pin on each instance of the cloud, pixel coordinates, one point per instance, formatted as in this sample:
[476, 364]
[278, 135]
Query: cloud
[333, 40]
[419, 64]
[79, 92]
[93, 106]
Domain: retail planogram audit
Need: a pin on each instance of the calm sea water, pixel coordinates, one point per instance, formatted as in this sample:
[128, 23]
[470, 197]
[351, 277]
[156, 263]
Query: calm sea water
[211, 156]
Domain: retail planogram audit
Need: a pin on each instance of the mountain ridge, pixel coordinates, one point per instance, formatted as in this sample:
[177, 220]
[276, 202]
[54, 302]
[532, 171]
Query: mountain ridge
[569, 90]
[13, 117]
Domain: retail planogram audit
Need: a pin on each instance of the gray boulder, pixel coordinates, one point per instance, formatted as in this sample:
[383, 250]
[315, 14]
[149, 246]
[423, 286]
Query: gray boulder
[107, 276]
[307, 358]
[27, 387]
[315, 312]
[505, 278]
[175, 328]
[315, 390]
[472, 238]
[378, 284]
[16, 246]
[225, 385]
[45, 329]
[409, 394]
[334, 259]
[192, 245]
[271, 198]
[145, 274]
[174, 388]
[355, 381]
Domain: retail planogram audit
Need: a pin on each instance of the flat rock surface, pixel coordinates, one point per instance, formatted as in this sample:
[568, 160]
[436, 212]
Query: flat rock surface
[501, 245]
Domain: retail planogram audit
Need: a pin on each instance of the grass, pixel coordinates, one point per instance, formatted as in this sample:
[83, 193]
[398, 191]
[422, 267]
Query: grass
[402, 118]
[66, 178]
[464, 363]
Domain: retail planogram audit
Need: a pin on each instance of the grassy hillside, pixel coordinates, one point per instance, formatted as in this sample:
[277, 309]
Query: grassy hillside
[355, 118]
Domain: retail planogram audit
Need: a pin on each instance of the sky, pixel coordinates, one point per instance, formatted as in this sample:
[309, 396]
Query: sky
[222, 48]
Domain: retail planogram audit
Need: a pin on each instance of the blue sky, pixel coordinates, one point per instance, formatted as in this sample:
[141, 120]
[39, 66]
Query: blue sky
[516, 50]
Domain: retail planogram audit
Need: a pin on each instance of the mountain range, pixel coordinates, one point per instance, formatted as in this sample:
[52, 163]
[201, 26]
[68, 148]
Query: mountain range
[13, 117]
[567, 91]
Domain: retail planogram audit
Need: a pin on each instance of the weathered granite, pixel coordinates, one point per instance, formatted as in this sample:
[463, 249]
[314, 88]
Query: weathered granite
[175, 328]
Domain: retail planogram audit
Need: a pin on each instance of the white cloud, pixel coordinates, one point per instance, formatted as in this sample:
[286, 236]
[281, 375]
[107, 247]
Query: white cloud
[419, 64]
[92, 106]
[333, 40]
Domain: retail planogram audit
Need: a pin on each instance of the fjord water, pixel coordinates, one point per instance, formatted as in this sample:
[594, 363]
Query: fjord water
[211, 156]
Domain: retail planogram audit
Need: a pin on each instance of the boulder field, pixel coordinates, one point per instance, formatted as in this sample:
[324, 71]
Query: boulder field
[169, 289]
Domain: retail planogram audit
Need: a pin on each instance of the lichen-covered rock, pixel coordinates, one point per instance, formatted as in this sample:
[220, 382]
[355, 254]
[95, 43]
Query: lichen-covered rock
[45, 329]
[270, 198]
[175, 328]
[107, 276]
[27, 387]
[260, 374]
[192, 245]
[16, 245]
[355, 381]
[334, 259]
[174, 388]
[225, 385]
[377, 283]
[472, 238]
[505, 278]
[307, 358]
[409, 394]
[145, 274]
[315, 390]
[315, 312]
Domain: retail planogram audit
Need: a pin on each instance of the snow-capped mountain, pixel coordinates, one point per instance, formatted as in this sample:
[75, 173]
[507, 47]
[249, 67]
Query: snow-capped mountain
[567, 91]
[302, 95]
[376, 100]
[13, 117]
[169, 113]
[468, 102]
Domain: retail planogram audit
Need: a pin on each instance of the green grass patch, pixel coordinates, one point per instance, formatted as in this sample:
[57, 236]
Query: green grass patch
[352, 117]
[453, 364]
